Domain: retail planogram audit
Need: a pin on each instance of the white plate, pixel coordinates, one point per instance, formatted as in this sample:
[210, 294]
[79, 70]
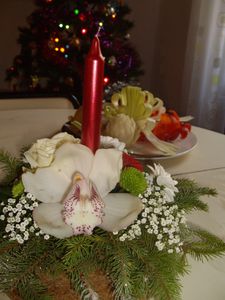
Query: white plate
[146, 151]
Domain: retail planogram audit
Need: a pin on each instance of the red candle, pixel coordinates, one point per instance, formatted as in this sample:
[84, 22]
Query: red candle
[93, 96]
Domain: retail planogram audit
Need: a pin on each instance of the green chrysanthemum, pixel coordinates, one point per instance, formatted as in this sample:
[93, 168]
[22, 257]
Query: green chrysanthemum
[133, 181]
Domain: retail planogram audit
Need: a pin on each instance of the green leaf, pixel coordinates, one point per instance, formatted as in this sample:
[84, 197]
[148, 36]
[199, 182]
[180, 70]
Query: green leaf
[17, 189]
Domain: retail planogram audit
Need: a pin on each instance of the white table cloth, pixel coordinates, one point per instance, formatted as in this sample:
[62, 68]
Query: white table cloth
[208, 154]
[206, 280]
[205, 164]
[19, 128]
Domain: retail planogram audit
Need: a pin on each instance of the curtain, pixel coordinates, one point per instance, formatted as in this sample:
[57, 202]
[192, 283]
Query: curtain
[204, 72]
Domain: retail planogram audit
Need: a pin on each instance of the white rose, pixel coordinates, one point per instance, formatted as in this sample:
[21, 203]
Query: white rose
[41, 154]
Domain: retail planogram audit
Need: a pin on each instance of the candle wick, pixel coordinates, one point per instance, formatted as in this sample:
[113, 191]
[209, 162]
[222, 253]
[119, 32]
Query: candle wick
[99, 29]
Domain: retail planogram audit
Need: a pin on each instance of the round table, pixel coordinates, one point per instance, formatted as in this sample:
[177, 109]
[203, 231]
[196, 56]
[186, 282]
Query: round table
[205, 164]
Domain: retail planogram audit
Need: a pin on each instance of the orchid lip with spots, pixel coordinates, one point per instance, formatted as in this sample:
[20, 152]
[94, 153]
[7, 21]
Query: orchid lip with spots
[83, 206]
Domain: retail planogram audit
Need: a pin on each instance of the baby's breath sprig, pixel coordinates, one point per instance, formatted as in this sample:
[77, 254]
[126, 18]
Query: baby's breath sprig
[17, 215]
[160, 216]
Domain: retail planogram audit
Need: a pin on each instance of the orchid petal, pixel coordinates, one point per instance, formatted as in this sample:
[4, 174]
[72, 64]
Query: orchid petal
[46, 184]
[121, 210]
[105, 173]
[48, 217]
[50, 184]
[71, 158]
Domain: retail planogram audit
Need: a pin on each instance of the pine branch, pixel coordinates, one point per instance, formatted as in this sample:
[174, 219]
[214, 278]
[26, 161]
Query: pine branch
[31, 287]
[157, 273]
[79, 277]
[18, 264]
[10, 166]
[161, 275]
[76, 248]
[203, 245]
[76, 281]
[120, 266]
[128, 264]
[7, 245]
[189, 194]
[80, 261]
[80, 283]
[164, 270]
[138, 252]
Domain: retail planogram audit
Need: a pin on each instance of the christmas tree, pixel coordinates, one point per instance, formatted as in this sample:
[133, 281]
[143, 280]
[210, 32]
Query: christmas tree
[55, 43]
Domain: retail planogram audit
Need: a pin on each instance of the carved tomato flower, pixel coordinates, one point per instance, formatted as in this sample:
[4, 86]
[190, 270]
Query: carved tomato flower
[75, 192]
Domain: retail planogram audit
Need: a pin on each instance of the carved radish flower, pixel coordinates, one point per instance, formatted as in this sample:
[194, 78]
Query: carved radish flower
[75, 192]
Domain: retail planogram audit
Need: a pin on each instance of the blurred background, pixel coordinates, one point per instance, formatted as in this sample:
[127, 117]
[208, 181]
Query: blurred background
[180, 44]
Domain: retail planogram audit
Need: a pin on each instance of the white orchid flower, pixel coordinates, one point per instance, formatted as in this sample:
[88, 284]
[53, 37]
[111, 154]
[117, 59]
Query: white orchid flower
[74, 191]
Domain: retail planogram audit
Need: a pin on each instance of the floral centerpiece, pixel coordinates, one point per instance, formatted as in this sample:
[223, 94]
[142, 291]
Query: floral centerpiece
[66, 211]
[77, 211]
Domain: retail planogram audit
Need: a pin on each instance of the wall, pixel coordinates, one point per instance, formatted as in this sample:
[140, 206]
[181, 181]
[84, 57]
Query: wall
[171, 45]
[145, 15]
